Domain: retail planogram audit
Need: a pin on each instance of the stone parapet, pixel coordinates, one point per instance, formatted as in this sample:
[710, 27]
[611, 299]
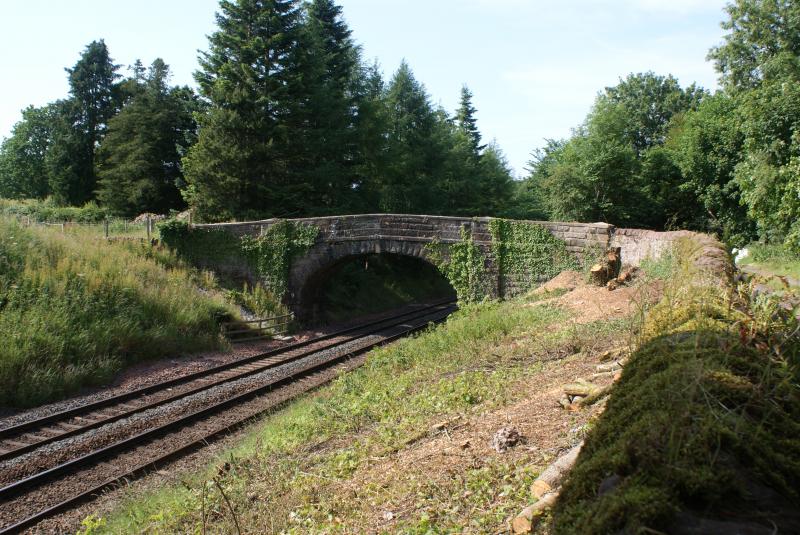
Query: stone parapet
[639, 244]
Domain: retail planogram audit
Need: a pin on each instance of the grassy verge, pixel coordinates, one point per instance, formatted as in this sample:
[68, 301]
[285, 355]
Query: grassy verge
[294, 473]
[776, 259]
[702, 427]
[74, 310]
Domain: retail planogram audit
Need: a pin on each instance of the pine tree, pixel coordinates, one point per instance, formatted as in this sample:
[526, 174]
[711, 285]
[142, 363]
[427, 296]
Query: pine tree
[94, 99]
[408, 183]
[139, 163]
[133, 85]
[326, 120]
[240, 164]
[371, 143]
[496, 187]
[458, 179]
[465, 117]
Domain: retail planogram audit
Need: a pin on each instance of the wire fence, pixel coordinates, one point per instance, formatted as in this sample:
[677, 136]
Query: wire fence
[143, 228]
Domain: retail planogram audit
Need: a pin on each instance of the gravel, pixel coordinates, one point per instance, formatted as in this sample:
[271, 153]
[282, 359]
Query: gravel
[63, 450]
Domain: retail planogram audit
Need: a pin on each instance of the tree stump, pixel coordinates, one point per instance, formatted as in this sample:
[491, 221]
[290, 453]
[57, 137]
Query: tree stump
[599, 275]
[607, 268]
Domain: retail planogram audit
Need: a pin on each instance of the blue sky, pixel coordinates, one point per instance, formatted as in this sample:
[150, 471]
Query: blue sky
[534, 66]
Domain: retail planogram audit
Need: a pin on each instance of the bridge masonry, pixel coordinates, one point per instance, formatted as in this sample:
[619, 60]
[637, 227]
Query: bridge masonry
[344, 237]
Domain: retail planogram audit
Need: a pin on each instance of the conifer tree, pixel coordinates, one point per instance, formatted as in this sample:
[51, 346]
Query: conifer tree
[371, 142]
[240, 166]
[326, 121]
[408, 182]
[465, 117]
[139, 163]
[82, 124]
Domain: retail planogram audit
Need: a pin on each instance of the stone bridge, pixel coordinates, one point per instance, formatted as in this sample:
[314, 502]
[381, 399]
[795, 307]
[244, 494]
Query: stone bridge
[341, 238]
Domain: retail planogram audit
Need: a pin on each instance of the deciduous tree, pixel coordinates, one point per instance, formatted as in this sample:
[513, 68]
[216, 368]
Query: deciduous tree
[23, 169]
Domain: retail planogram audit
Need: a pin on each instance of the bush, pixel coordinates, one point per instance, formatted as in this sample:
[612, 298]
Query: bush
[48, 212]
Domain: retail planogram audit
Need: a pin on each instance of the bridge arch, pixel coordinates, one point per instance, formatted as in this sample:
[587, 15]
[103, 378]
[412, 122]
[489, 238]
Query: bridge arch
[309, 273]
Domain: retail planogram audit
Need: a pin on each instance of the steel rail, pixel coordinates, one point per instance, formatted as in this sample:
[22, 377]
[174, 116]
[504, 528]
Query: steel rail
[20, 428]
[79, 429]
[208, 437]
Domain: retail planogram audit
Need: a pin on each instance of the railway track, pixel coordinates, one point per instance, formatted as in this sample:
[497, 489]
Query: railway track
[51, 464]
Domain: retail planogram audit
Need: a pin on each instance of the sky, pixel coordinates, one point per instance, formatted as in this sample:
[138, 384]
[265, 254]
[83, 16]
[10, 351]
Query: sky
[534, 66]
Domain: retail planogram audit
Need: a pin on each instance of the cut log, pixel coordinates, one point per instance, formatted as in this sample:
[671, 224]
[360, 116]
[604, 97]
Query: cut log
[595, 396]
[521, 522]
[545, 489]
[602, 375]
[553, 474]
[529, 517]
[581, 389]
[610, 367]
[611, 354]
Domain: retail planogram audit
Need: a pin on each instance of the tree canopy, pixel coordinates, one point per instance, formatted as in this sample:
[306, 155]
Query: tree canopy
[656, 155]
[290, 121]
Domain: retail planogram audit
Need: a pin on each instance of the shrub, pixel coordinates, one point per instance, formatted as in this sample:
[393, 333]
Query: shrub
[47, 211]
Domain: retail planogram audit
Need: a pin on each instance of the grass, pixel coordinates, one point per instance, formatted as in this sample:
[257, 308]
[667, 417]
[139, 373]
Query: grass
[286, 476]
[773, 258]
[90, 218]
[703, 421]
[75, 310]
[663, 267]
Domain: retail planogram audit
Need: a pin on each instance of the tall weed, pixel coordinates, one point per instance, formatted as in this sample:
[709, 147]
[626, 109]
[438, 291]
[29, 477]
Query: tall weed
[75, 309]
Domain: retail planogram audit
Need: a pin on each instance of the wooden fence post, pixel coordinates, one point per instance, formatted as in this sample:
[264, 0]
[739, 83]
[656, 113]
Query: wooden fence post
[105, 227]
[148, 228]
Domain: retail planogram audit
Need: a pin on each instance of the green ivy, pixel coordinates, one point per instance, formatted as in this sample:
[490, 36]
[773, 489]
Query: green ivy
[528, 252]
[464, 265]
[200, 245]
[269, 255]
